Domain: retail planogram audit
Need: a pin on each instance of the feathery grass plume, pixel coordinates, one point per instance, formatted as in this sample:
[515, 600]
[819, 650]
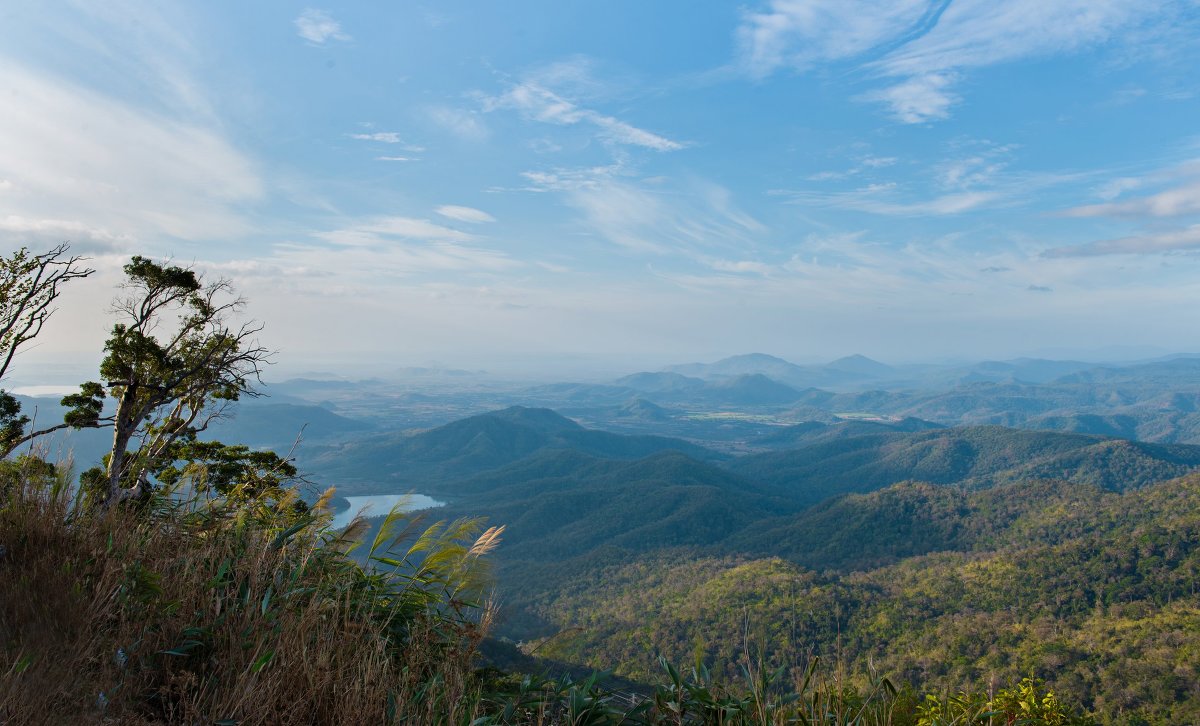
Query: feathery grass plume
[204, 609]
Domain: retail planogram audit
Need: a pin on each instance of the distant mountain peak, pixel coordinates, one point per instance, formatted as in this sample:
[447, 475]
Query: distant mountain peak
[539, 418]
[859, 363]
[754, 358]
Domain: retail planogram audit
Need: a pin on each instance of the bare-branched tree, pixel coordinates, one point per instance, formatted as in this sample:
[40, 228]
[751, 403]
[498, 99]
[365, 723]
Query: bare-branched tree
[29, 286]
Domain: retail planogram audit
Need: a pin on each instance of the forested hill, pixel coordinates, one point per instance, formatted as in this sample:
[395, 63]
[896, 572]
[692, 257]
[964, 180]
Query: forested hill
[945, 556]
[1094, 591]
[432, 460]
[973, 456]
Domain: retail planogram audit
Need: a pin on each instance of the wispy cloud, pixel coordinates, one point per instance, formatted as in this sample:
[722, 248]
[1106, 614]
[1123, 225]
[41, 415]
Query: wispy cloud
[973, 175]
[378, 229]
[464, 214]
[377, 251]
[884, 200]
[1178, 201]
[537, 102]
[1172, 192]
[927, 46]
[800, 33]
[697, 217]
[318, 27]
[863, 164]
[465, 125]
[1144, 244]
[972, 34]
[973, 163]
[171, 178]
[922, 98]
[385, 137]
[45, 233]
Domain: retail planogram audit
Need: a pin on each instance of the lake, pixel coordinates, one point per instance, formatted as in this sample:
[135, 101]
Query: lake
[377, 505]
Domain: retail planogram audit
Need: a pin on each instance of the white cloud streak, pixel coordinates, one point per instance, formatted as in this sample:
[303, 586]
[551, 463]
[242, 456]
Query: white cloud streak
[1144, 244]
[926, 45]
[879, 199]
[121, 171]
[1178, 201]
[537, 102]
[801, 33]
[465, 125]
[918, 99]
[318, 27]
[978, 33]
[464, 214]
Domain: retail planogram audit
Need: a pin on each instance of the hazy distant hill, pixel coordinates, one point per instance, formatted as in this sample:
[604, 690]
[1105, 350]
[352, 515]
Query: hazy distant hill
[643, 410]
[852, 369]
[265, 423]
[1121, 426]
[1029, 370]
[1176, 372]
[860, 366]
[434, 459]
[563, 503]
[978, 456]
[750, 390]
[741, 365]
[811, 432]
[660, 382]
[591, 393]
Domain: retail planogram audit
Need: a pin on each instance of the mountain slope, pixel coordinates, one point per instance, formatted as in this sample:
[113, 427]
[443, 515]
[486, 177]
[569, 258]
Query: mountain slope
[433, 460]
[559, 504]
[1093, 592]
[978, 456]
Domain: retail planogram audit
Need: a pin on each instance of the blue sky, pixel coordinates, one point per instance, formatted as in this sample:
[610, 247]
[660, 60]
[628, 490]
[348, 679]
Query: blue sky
[490, 184]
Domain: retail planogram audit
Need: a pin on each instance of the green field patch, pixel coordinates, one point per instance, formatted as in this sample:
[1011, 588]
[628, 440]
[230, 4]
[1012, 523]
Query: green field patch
[866, 416]
[736, 416]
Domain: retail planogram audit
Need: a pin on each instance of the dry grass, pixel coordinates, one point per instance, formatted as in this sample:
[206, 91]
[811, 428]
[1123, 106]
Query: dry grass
[208, 614]
[250, 612]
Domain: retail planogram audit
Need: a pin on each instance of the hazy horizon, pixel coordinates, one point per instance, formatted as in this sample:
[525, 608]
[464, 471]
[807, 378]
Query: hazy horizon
[540, 187]
[52, 371]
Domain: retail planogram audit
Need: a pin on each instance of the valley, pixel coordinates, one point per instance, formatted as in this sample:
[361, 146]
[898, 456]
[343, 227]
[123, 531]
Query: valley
[665, 520]
[971, 531]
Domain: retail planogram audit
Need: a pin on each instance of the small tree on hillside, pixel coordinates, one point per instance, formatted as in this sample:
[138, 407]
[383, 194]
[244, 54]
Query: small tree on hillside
[172, 363]
[29, 286]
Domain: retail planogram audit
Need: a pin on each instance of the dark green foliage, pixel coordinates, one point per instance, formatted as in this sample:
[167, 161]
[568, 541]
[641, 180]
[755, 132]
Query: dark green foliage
[811, 432]
[220, 468]
[975, 456]
[12, 422]
[84, 408]
[558, 504]
[434, 460]
[1095, 592]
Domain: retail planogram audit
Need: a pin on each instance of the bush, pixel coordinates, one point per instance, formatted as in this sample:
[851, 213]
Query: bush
[227, 610]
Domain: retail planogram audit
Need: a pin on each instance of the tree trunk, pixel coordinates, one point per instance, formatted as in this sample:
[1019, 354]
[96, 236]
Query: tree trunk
[124, 426]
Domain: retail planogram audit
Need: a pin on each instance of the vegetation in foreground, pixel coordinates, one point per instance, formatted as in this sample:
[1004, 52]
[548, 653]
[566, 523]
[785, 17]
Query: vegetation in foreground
[184, 581]
[232, 610]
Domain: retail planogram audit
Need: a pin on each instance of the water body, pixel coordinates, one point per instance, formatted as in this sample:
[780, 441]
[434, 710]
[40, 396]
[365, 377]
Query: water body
[377, 505]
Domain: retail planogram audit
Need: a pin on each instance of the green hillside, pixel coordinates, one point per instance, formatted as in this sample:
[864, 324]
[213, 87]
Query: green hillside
[1094, 592]
[433, 460]
[979, 456]
[559, 504]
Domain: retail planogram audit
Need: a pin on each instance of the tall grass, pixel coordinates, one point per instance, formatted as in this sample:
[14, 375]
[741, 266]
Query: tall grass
[228, 610]
[240, 610]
